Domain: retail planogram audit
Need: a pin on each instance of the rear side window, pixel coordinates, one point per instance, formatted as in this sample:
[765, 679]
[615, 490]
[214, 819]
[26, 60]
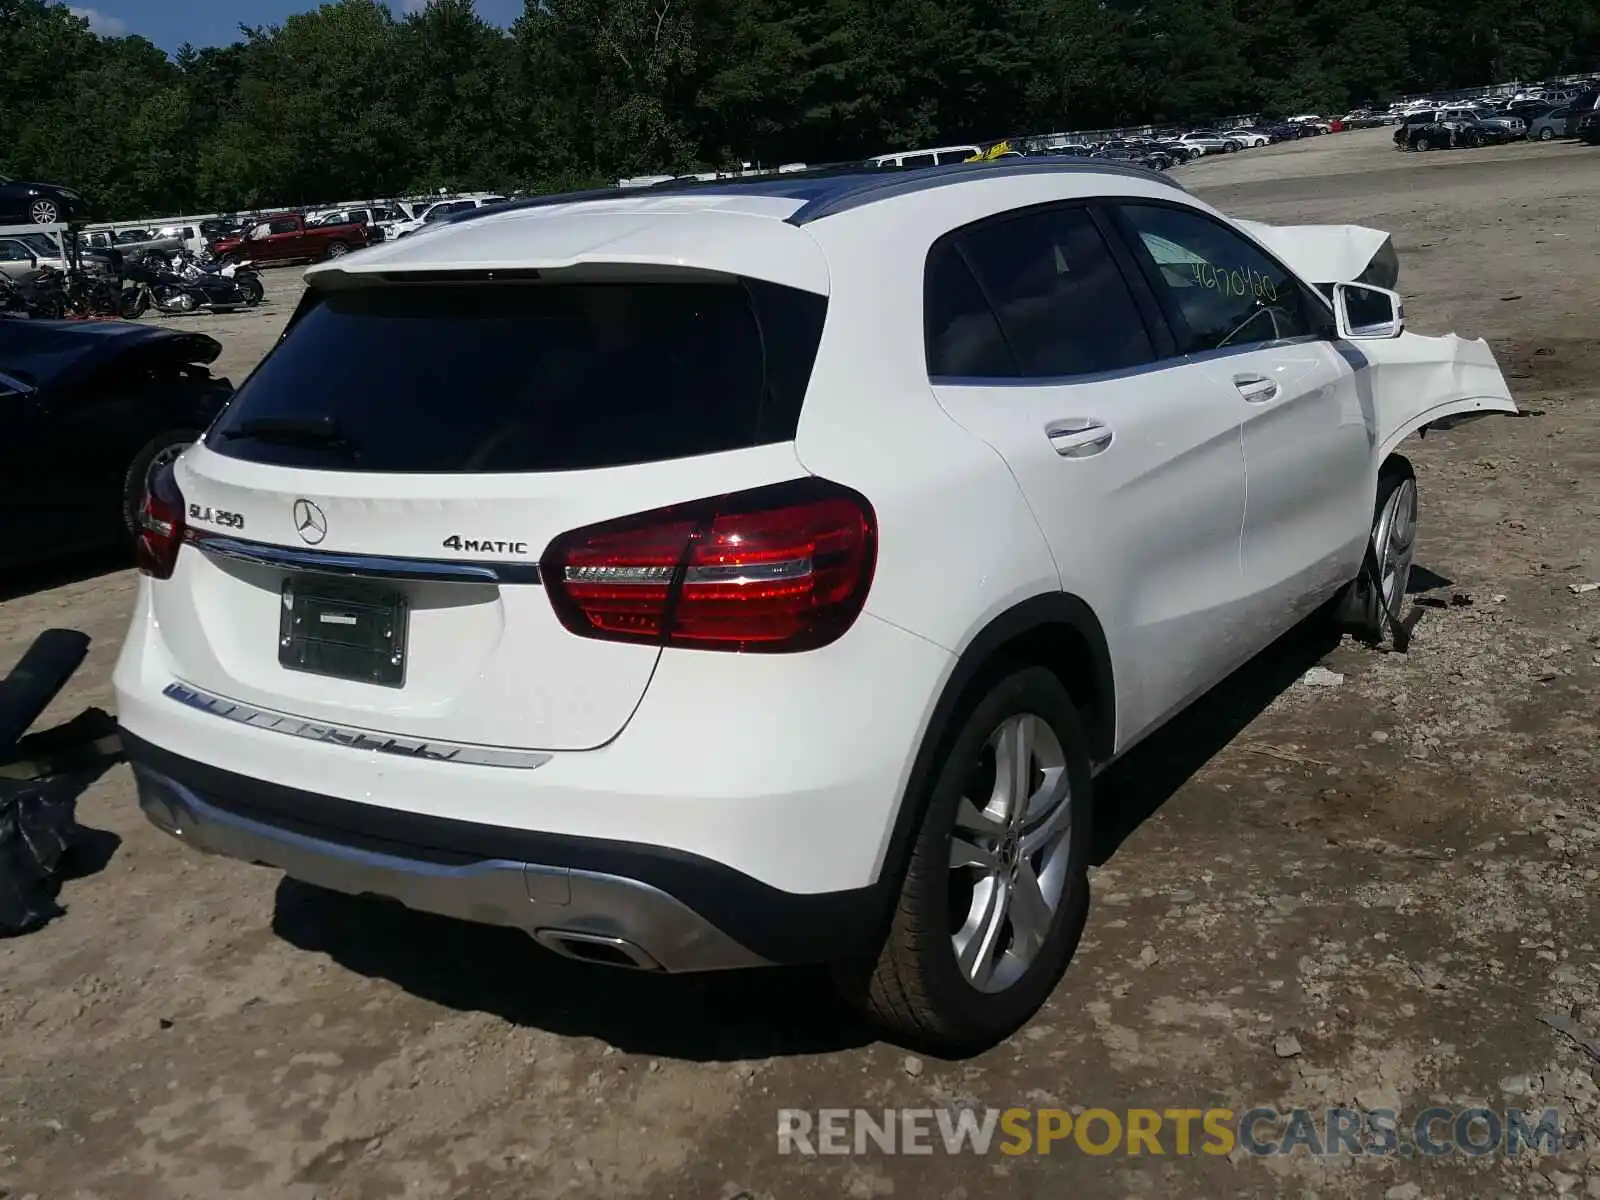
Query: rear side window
[509, 378]
[962, 333]
[1057, 294]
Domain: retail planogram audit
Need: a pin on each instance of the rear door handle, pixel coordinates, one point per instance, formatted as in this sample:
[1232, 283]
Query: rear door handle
[1256, 389]
[1077, 437]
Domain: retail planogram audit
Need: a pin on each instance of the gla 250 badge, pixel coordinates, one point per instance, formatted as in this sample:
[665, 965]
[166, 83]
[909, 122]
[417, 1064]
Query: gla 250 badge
[483, 545]
[216, 516]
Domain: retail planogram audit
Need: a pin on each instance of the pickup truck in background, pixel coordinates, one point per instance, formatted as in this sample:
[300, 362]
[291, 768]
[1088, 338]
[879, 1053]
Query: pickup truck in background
[287, 237]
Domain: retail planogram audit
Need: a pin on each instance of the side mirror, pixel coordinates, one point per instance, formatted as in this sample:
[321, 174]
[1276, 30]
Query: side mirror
[1366, 313]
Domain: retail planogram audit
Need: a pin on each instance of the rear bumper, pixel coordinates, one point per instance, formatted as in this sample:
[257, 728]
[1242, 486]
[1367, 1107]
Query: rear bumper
[643, 906]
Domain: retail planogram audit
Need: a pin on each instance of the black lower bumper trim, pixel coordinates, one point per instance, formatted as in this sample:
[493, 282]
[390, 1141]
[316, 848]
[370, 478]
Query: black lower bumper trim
[779, 926]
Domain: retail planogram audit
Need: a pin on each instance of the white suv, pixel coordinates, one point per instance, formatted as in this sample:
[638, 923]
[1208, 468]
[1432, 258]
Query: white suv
[760, 572]
[437, 211]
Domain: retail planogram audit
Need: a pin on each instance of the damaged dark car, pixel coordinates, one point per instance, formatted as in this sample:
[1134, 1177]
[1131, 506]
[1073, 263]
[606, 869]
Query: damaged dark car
[91, 409]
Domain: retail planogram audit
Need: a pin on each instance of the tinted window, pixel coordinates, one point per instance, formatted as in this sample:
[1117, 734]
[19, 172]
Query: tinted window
[1217, 287]
[543, 377]
[1062, 302]
[285, 225]
[14, 252]
[962, 335]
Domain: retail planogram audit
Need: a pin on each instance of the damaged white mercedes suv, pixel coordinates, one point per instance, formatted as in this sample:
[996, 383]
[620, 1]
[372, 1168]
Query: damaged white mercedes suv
[760, 572]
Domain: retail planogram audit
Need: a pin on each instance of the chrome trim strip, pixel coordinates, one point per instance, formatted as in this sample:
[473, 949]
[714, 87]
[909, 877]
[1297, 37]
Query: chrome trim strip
[367, 566]
[356, 739]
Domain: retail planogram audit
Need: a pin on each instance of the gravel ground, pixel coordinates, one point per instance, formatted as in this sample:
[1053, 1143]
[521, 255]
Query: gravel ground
[1366, 892]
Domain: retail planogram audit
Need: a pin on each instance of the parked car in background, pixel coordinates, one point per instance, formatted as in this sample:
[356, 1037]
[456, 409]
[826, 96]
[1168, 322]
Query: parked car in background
[91, 410]
[1462, 129]
[1207, 141]
[441, 209]
[378, 219]
[1472, 115]
[214, 229]
[1557, 123]
[287, 238]
[1248, 138]
[26, 202]
[1587, 128]
[18, 259]
[131, 242]
[1287, 131]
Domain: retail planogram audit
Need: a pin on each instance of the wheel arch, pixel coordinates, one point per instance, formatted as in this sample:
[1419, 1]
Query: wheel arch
[1057, 630]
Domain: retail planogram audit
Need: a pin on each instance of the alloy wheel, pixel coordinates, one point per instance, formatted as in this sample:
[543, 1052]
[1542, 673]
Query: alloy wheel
[44, 212]
[1395, 540]
[1009, 853]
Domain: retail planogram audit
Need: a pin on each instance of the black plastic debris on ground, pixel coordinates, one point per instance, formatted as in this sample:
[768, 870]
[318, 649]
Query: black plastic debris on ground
[37, 827]
[41, 777]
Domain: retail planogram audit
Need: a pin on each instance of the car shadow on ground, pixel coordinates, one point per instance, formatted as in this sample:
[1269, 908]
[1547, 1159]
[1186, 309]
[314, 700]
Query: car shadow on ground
[1133, 789]
[737, 1014]
[721, 1017]
[18, 582]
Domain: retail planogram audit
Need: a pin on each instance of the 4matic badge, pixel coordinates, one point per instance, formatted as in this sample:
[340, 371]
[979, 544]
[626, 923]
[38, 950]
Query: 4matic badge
[484, 545]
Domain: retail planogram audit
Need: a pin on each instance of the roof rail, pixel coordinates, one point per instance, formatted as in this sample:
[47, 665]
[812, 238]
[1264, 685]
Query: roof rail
[884, 185]
[827, 191]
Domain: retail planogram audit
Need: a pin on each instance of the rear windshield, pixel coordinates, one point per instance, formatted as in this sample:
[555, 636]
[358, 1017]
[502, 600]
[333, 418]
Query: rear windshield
[501, 378]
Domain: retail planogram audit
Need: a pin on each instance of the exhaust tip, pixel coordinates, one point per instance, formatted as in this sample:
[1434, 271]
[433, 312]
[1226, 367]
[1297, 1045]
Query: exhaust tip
[596, 948]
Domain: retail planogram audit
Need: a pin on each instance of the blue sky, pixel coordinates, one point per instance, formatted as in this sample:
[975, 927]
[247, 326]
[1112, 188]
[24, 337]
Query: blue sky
[170, 23]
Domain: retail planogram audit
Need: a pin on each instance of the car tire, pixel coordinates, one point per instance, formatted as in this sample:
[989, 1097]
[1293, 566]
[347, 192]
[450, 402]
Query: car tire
[953, 971]
[254, 292]
[1369, 607]
[156, 453]
[1424, 143]
[44, 211]
[337, 249]
[1547, 134]
[1230, 147]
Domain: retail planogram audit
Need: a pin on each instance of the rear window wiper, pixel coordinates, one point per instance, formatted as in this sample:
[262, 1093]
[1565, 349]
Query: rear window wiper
[294, 431]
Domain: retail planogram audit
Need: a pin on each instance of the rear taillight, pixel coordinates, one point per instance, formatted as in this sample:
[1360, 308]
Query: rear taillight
[159, 530]
[778, 568]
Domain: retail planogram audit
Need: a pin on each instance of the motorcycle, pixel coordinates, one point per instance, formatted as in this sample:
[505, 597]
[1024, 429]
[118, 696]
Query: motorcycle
[41, 294]
[245, 274]
[178, 291]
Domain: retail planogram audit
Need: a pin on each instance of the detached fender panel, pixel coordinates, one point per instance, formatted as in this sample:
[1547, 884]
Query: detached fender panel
[1419, 381]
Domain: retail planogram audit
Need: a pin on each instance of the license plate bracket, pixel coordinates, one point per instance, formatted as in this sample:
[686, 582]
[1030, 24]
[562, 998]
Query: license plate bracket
[345, 629]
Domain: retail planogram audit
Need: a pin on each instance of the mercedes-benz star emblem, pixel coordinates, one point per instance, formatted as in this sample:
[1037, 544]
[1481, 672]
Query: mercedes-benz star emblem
[309, 522]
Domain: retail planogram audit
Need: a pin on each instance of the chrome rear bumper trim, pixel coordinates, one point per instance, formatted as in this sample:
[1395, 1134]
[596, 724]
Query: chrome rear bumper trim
[357, 739]
[365, 566]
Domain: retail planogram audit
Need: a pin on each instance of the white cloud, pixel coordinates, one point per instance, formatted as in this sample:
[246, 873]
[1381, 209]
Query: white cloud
[100, 23]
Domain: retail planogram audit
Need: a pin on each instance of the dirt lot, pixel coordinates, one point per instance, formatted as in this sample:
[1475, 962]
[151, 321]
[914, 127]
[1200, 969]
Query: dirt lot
[1365, 893]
